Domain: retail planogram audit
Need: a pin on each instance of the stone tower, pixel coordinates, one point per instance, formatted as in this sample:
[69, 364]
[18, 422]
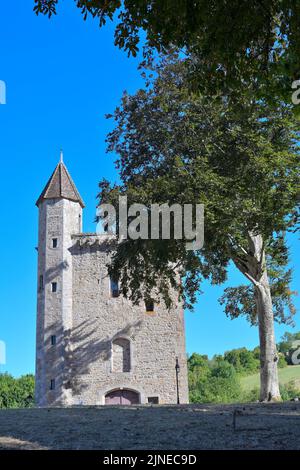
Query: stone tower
[93, 346]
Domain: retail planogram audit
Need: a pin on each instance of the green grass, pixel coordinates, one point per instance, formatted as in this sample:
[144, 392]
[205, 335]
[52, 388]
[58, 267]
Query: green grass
[288, 374]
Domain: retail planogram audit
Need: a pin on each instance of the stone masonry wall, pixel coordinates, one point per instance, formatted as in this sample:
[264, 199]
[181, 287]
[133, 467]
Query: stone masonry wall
[98, 319]
[58, 218]
[102, 343]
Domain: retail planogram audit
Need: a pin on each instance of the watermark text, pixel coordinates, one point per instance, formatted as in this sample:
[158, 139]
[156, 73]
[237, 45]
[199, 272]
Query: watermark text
[156, 222]
[2, 92]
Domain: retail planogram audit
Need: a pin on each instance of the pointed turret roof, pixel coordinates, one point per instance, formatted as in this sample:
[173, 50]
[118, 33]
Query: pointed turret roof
[61, 186]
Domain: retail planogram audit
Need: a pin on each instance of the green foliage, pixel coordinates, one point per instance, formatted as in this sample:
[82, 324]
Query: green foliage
[244, 361]
[212, 381]
[198, 365]
[256, 352]
[237, 300]
[237, 158]
[250, 396]
[282, 361]
[289, 391]
[237, 42]
[219, 380]
[16, 393]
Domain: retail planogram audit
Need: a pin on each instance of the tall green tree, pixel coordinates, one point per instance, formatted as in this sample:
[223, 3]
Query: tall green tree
[237, 41]
[241, 160]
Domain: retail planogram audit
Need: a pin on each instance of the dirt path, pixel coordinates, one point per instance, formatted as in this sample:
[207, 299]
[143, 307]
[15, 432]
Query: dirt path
[192, 427]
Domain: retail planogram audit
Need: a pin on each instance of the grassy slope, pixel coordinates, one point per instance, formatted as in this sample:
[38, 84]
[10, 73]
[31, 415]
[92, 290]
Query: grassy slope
[288, 374]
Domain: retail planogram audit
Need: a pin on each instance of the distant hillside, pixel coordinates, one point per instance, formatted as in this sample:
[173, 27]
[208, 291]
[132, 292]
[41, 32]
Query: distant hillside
[286, 375]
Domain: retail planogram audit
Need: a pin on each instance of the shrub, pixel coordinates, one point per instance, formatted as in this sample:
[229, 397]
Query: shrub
[218, 384]
[251, 395]
[245, 362]
[16, 393]
[282, 361]
[289, 391]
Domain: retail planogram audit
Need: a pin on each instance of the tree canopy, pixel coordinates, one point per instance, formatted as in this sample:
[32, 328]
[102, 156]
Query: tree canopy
[16, 392]
[239, 159]
[236, 41]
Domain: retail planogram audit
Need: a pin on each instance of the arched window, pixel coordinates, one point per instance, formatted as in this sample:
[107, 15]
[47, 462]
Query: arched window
[121, 361]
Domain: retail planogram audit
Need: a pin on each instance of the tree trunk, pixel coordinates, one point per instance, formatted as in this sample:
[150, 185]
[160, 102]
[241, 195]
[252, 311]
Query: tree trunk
[269, 385]
[253, 265]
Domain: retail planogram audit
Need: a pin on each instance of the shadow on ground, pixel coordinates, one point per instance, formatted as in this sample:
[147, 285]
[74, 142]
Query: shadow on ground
[187, 427]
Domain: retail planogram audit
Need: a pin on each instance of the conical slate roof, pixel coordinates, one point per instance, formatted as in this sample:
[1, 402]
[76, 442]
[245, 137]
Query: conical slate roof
[60, 186]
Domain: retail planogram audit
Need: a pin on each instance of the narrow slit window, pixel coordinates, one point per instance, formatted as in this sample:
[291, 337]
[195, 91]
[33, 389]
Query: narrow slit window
[53, 340]
[54, 286]
[41, 283]
[114, 288]
[149, 306]
[52, 384]
[54, 242]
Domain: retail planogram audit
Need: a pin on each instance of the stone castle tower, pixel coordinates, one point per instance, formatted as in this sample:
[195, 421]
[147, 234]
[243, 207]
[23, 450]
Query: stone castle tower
[93, 346]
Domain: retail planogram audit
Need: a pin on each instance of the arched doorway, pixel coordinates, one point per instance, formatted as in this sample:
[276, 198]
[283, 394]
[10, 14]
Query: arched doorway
[122, 397]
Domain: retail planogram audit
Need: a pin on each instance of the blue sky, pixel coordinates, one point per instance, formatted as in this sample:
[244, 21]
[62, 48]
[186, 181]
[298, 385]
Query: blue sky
[62, 76]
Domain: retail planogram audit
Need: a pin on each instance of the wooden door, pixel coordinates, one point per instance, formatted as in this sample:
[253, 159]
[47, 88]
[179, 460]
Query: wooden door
[122, 397]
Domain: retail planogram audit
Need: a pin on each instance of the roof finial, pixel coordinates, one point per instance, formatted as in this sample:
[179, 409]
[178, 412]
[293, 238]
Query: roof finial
[61, 156]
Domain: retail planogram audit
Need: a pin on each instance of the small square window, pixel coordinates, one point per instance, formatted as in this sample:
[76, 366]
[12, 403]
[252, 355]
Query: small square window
[114, 288]
[153, 400]
[54, 286]
[52, 384]
[54, 242]
[53, 340]
[149, 306]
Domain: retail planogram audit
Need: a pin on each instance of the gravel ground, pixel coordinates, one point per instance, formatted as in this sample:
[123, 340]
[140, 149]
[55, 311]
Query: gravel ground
[187, 427]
